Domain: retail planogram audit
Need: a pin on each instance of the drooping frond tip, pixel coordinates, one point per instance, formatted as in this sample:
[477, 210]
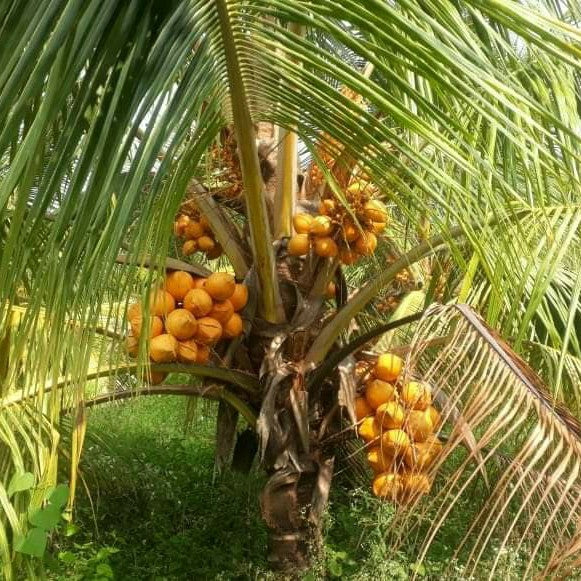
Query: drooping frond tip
[527, 509]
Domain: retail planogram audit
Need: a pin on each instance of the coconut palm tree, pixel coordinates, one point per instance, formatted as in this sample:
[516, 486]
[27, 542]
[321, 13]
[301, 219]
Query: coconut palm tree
[463, 115]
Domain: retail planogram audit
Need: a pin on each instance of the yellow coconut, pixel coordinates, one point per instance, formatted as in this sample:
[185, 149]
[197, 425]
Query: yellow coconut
[369, 429]
[161, 303]
[387, 485]
[156, 377]
[380, 461]
[326, 247]
[240, 297]
[193, 230]
[181, 324]
[362, 408]
[390, 415]
[180, 225]
[421, 455]
[378, 392]
[233, 326]
[187, 351]
[375, 211]
[350, 232]
[155, 326]
[198, 302]
[321, 226]
[434, 416]
[366, 243]
[206, 243]
[377, 227]
[298, 245]
[302, 223]
[347, 256]
[178, 283]
[418, 425]
[416, 395]
[209, 331]
[220, 286]
[388, 367]
[163, 348]
[132, 345]
[189, 247]
[222, 311]
[395, 442]
[203, 354]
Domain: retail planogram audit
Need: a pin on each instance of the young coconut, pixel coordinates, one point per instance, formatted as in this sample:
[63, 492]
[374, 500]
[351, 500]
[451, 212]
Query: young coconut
[390, 415]
[233, 326]
[416, 395]
[161, 303]
[155, 326]
[193, 230]
[369, 429]
[387, 485]
[350, 232]
[181, 324]
[222, 311]
[380, 461]
[240, 297]
[180, 225]
[209, 331]
[362, 408]
[388, 367]
[206, 243]
[326, 247]
[375, 211]
[220, 286]
[163, 348]
[198, 302]
[366, 244]
[189, 247]
[178, 283]
[419, 425]
[298, 245]
[302, 223]
[321, 226]
[395, 442]
[378, 392]
[188, 351]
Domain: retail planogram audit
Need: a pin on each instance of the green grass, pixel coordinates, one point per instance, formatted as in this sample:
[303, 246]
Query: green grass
[156, 512]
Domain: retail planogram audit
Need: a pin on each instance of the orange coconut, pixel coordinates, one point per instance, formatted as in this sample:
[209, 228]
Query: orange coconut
[362, 408]
[233, 326]
[416, 395]
[163, 348]
[395, 442]
[378, 392]
[321, 226]
[369, 430]
[390, 415]
[209, 331]
[220, 286]
[388, 367]
[178, 283]
[187, 351]
[240, 297]
[155, 326]
[193, 230]
[375, 211]
[189, 247]
[180, 225]
[206, 243]
[298, 245]
[422, 454]
[366, 243]
[198, 302]
[161, 303]
[387, 485]
[222, 311]
[302, 223]
[326, 247]
[380, 461]
[181, 324]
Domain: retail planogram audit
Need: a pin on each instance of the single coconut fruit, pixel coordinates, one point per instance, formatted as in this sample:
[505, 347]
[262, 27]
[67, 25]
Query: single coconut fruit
[178, 283]
[375, 211]
[321, 226]
[390, 415]
[133, 311]
[187, 351]
[220, 286]
[377, 227]
[380, 461]
[155, 326]
[205, 243]
[362, 408]
[161, 303]
[387, 485]
[369, 429]
[222, 311]
[421, 455]
[328, 207]
[347, 256]
[395, 442]
[132, 345]
[215, 252]
[378, 392]
[366, 244]
[298, 245]
[331, 290]
[388, 367]
[240, 297]
[203, 354]
[193, 230]
[199, 282]
[181, 324]
[415, 484]
[416, 395]
[198, 302]
[180, 225]
[233, 326]
[302, 223]
[434, 416]
[156, 377]
[419, 425]
[350, 232]
[189, 247]
[163, 348]
[326, 247]
[209, 331]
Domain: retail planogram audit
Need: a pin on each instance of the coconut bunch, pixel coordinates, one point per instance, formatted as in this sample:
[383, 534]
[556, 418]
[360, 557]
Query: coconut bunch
[398, 423]
[198, 235]
[228, 181]
[188, 317]
[335, 232]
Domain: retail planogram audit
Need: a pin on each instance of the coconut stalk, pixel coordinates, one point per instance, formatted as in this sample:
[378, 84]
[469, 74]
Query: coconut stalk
[260, 234]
